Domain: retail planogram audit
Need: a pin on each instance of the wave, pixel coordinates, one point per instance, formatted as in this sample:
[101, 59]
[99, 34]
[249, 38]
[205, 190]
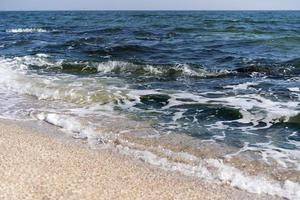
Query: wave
[159, 71]
[43, 62]
[167, 71]
[289, 68]
[30, 75]
[246, 108]
[209, 169]
[244, 113]
[224, 174]
[17, 76]
[27, 30]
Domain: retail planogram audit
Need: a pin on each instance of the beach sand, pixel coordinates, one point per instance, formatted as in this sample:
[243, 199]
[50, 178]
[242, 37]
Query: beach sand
[35, 165]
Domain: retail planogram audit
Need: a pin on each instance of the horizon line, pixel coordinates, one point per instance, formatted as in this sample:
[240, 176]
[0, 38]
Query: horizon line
[8, 10]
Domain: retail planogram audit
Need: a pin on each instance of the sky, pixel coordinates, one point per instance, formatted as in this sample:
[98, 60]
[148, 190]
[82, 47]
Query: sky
[149, 4]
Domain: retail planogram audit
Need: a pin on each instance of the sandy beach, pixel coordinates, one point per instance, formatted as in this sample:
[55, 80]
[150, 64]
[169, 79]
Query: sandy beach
[35, 165]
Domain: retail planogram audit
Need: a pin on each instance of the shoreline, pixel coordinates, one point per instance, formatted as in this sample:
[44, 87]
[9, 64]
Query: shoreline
[36, 163]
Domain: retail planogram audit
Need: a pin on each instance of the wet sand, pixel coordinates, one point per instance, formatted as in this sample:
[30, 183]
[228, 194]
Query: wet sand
[35, 165]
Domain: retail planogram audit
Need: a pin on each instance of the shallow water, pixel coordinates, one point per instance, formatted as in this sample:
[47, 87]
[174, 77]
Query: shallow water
[227, 78]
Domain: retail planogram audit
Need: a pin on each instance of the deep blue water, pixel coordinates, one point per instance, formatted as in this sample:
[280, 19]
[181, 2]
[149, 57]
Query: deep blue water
[210, 39]
[232, 77]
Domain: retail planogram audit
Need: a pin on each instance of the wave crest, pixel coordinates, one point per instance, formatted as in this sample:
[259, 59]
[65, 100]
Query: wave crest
[45, 63]
[161, 71]
[27, 30]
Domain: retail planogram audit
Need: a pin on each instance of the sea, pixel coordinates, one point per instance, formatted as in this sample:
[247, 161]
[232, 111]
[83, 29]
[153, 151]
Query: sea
[209, 94]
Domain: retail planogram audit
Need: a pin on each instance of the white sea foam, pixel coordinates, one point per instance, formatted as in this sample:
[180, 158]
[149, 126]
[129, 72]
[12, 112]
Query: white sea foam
[254, 109]
[178, 115]
[269, 111]
[181, 69]
[216, 170]
[125, 67]
[283, 157]
[76, 128]
[255, 184]
[208, 169]
[294, 89]
[242, 86]
[213, 170]
[26, 30]
[16, 77]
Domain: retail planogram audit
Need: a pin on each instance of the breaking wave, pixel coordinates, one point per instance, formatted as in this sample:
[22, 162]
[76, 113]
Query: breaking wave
[43, 62]
[73, 101]
[17, 77]
[27, 30]
[168, 71]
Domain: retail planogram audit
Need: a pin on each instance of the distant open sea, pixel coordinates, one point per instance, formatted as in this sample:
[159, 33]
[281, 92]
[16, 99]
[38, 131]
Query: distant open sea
[213, 94]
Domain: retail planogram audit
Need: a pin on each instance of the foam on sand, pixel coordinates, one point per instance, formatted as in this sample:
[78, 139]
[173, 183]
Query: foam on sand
[208, 169]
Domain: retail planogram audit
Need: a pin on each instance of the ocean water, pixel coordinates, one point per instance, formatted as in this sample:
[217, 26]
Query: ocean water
[210, 94]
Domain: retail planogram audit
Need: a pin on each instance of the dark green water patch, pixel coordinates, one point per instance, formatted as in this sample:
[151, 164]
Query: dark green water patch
[294, 62]
[77, 68]
[155, 100]
[251, 69]
[66, 67]
[209, 112]
[295, 121]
